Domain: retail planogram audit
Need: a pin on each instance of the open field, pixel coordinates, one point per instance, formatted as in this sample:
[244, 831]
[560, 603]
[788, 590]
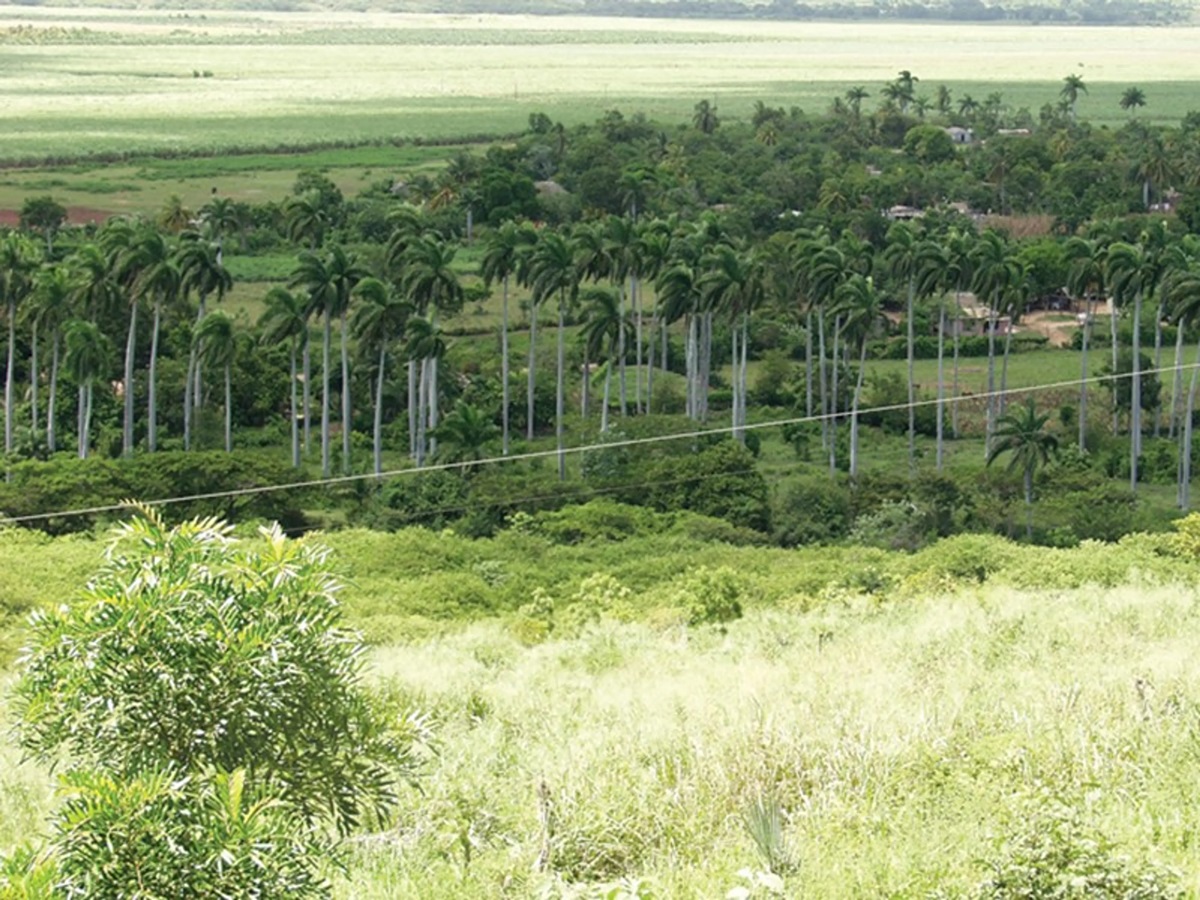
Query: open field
[913, 730]
[80, 82]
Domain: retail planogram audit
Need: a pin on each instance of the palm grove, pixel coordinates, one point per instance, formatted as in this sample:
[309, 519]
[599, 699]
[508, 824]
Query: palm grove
[664, 261]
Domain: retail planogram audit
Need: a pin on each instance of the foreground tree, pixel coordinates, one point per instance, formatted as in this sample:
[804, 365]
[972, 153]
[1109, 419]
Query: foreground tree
[199, 679]
[1022, 433]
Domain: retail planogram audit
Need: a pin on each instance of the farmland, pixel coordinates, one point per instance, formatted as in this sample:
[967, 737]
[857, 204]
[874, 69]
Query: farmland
[85, 82]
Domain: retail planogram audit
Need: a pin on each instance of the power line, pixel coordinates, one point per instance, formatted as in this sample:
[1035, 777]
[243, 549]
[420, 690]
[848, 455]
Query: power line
[584, 448]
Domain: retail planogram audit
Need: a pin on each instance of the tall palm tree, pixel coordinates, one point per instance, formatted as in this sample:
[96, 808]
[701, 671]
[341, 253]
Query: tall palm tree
[1133, 272]
[1185, 299]
[201, 272]
[88, 352]
[378, 323]
[425, 344]
[653, 251]
[704, 117]
[305, 222]
[217, 339]
[503, 257]
[1072, 87]
[329, 280]
[906, 258]
[1132, 98]
[285, 319]
[53, 304]
[19, 259]
[862, 306]
[734, 283]
[1022, 433]
[603, 323]
[552, 270]
[1086, 280]
[854, 98]
[958, 245]
[432, 286]
[996, 273]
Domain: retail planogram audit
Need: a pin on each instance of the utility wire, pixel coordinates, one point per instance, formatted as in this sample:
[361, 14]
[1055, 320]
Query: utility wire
[584, 448]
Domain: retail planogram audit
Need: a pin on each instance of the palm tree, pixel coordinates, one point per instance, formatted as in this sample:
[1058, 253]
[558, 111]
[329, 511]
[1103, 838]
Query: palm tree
[968, 106]
[603, 324]
[87, 359]
[464, 434]
[329, 280]
[552, 270]
[304, 221]
[201, 271]
[1132, 98]
[432, 286]
[1086, 279]
[1072, 87]
[1185, 298]
[217, 342]
[704, 117]
[285, 318]
[854, 97]
[996, 273]
[734, 283]
[378, 322]
[426, 345]
[19, 259]
[1022, 433]
[906, 258]
[53, 302]
[858, 299]
[503, 257]
[221, 217]
[958, 245]
[1133, 272]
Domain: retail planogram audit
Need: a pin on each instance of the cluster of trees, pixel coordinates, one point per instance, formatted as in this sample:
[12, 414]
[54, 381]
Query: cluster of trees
[650, 250]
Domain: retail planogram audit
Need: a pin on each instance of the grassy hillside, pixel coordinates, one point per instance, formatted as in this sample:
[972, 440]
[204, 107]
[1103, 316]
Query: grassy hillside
[921, 725]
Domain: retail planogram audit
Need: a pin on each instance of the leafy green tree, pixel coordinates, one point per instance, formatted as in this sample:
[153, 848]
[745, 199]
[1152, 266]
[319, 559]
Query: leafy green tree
[1022, 434]
[465, 434]
[200, 679]
[44, 214]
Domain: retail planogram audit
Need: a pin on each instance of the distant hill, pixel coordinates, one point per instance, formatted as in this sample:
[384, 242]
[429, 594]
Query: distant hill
[1083, 12]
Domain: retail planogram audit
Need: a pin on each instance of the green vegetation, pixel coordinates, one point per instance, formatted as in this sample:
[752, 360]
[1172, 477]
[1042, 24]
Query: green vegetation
[410, 79]
[964, 719]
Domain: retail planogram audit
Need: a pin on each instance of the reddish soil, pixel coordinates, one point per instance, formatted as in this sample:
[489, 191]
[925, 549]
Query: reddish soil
[76, 215]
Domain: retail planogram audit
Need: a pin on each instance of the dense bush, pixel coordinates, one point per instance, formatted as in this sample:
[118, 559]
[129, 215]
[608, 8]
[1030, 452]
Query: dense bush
[210, 707]
[73, 488]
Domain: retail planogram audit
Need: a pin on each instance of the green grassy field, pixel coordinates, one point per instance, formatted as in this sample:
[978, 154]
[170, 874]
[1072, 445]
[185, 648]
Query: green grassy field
[912, 728]
[85, 82]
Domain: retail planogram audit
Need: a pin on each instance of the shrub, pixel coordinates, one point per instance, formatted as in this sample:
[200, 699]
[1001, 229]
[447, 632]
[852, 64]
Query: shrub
[719, 481]
[1054, 855]
[811, 511]
[707, 596]
[189, 655]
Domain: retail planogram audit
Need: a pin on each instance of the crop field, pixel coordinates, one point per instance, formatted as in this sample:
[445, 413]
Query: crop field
[80, 82]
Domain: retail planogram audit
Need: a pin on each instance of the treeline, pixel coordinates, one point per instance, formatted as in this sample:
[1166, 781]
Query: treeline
[1087, 12]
